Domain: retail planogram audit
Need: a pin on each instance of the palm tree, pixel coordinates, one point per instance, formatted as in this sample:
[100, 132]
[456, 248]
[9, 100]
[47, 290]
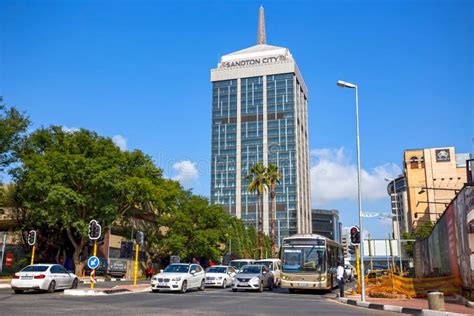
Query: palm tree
[273, 178]
[258, 184]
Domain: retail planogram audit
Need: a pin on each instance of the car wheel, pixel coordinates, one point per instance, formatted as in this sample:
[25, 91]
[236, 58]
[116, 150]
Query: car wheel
[184, 287]
[155, 291]
[270, 284]
[74, 284]
[234, 290]
[52, 287]
[224, 284]
[203, 286]
[260, 288]
[18, 291]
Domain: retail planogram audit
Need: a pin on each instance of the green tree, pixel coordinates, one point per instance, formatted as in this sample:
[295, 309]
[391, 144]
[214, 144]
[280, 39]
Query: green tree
[194, 229]
[273, 178]
[65, 179]
[13, 126]
[258, 184]
[421, 232]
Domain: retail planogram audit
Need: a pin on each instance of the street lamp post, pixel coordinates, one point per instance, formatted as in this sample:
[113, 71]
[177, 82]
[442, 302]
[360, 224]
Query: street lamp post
[398, 221]
[344, 84]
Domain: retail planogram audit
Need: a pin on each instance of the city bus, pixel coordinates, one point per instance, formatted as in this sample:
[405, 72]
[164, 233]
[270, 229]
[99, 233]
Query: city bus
[309, 261]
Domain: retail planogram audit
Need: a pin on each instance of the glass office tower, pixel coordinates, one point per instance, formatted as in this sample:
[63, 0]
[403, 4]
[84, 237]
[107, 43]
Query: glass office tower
[259, 114]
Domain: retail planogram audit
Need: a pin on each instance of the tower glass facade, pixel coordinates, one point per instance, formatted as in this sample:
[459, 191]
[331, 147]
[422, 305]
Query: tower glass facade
[259, 114]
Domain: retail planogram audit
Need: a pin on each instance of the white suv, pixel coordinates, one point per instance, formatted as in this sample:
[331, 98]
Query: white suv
[179, 277]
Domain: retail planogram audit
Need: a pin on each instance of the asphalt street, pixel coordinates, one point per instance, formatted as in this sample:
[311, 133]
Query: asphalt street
[210, 302]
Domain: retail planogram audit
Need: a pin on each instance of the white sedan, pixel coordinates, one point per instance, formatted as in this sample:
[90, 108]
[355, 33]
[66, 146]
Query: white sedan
[220, 276]
[47, 277]
[179, 277]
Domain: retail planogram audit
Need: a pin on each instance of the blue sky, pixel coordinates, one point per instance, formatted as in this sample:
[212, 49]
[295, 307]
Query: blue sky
[139, 71]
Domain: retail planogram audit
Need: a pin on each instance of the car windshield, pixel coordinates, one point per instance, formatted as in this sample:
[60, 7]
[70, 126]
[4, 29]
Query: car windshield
[177, 268]
[304, 259]
[238, 264]
[35, 269]
[216, 270]
[269, 264]
[251, 269]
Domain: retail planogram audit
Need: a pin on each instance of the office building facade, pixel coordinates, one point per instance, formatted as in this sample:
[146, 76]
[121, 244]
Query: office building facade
[433, 177]
[259, 114]
[326, 223]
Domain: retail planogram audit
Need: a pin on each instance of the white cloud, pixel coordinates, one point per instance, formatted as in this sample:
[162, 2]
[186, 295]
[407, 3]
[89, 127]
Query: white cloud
[334, 177]
[69, 129]
[187, 172]
[120, 141]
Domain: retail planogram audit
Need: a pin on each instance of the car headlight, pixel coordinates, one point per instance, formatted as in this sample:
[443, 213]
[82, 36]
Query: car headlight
[323, 279]
[154, 279]
[176, 279]
[255, 279]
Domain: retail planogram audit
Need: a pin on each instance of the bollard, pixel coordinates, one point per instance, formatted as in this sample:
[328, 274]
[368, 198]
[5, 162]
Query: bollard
[436, 301]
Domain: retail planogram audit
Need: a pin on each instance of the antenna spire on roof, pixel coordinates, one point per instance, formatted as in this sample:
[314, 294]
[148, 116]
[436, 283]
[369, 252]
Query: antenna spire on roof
[262, 38]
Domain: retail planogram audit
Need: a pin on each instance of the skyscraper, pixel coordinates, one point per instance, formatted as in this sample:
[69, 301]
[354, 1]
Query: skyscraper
[259, 114]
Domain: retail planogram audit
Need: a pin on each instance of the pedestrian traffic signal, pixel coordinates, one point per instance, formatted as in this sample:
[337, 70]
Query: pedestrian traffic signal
[140, 237]
[351, 249]
[126, 249]
[355, 235]
[31, 237]
[94, 230]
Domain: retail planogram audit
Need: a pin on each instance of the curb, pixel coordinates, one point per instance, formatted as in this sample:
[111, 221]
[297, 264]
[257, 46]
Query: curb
[5, 286]
[102, 292]
[464, 301]
[397, 309]
[102, 280]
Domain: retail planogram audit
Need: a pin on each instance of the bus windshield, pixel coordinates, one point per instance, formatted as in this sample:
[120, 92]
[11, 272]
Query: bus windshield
[304, 259]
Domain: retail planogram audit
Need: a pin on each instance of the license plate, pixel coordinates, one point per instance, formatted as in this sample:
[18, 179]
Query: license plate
[243, 284]
[27, 278]
[303, 284]
[162, 284]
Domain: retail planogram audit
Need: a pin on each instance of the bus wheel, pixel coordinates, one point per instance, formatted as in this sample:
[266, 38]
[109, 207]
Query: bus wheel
[292, 290]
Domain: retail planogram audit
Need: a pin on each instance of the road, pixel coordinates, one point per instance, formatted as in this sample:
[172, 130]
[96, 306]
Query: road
[210, 302]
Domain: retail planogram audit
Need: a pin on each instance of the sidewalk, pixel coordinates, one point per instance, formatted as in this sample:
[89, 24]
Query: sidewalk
[416, 303]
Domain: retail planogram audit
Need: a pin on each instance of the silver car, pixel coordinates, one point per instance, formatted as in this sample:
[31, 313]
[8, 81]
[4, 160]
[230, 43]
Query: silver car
[253, 277]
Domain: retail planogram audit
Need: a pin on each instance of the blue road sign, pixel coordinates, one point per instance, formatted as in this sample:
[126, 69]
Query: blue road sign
[93, 262]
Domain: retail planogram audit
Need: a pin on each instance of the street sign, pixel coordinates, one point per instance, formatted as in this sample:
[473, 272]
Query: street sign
[93, 262]
[9, 259]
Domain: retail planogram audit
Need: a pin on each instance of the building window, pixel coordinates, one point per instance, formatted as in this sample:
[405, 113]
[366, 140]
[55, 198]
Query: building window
[422, 162]
[414, 163]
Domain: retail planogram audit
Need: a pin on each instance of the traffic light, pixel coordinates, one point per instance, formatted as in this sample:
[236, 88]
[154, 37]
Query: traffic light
[355, 235]
[140, 237]
[351, 249]
[31, 237]
[126, 249]
[94, 230]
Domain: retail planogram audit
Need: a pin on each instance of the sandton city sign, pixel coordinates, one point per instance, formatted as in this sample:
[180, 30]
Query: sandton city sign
[253, 61]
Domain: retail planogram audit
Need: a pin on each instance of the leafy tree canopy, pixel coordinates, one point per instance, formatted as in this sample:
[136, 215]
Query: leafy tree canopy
[13, 126]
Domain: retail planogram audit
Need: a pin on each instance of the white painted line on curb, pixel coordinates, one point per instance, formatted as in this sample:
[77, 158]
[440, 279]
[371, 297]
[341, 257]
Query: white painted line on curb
[363, 304]
[5, 286]
[83, 293]
[392, 308]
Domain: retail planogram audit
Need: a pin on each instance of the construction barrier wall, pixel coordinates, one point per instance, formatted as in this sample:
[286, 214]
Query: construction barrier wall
[419, 287]
[449, 250]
